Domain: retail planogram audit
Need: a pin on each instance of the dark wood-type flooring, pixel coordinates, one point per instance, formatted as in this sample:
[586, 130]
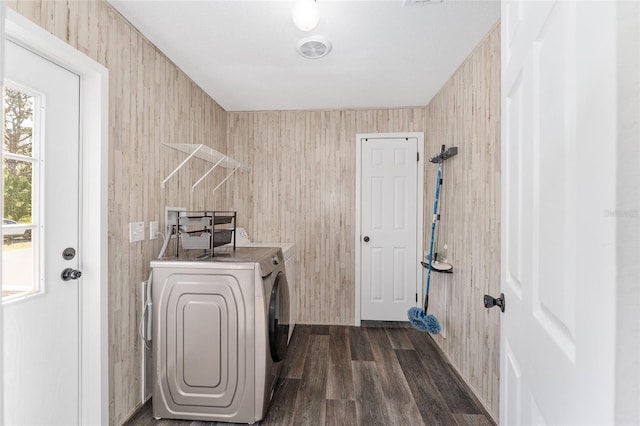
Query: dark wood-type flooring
[371, 375]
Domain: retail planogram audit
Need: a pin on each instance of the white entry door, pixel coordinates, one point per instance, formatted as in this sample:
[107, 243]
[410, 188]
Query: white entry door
[388, 227]
[41, 328]
[558, 183]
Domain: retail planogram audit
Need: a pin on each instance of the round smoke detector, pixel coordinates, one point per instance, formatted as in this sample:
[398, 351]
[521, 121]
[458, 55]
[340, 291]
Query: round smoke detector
[313, 47]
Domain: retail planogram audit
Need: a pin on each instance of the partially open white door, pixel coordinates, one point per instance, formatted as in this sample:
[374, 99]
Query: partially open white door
[558, 185]
[93, 128]
[41, 329]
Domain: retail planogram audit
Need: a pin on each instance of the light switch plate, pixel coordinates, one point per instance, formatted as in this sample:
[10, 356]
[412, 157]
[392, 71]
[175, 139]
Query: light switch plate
[136, 231]
[153, 230]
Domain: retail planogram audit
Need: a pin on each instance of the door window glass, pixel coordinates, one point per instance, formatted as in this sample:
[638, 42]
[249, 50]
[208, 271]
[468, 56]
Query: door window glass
[20, 171]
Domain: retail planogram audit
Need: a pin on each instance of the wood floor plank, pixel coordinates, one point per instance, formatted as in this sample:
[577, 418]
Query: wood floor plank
[430, 403]
[455, 392]
[280, 411]
[359, 345]
[370, 404]
[472, 420]
[310, 407]
[398, 338]
[426, 348]
[320, 329]
[386, 324]
[144, 417]
[399, 401]
[339, 374]
[341, 413]
[296, 353]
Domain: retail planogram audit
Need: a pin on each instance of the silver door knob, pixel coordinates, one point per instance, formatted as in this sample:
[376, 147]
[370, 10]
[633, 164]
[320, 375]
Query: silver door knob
[70, 274]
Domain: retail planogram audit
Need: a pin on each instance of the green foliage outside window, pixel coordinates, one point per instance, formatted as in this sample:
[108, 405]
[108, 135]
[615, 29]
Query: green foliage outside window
[17, 196]
[18, 139]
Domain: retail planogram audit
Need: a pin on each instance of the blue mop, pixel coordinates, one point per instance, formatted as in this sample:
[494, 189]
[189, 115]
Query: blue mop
[418, 317]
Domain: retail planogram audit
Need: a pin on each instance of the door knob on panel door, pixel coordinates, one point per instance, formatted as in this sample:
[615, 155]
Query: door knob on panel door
[366, 239]
[70, 274]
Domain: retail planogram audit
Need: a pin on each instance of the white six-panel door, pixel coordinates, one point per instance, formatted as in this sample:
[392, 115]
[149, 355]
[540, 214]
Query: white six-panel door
[388, 225]
[558, 185]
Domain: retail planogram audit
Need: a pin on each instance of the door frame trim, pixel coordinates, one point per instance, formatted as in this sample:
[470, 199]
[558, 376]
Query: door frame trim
[2, 15]
[94, 108]
[420, 210]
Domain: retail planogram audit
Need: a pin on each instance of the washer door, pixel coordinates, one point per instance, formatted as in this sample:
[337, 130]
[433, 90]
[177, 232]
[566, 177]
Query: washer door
[279, 318]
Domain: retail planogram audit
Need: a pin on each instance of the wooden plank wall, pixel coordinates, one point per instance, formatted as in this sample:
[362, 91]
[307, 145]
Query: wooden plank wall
[302, 190]
[150, 102]
[466, 113]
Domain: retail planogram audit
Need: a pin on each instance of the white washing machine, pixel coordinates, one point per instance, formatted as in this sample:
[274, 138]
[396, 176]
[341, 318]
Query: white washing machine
[291, 265]
[220, 333]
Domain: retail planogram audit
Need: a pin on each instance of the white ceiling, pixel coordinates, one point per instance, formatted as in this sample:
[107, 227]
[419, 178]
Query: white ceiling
[385, 54]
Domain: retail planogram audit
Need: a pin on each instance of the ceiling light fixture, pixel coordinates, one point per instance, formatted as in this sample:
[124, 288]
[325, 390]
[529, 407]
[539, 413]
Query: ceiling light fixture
[305, 14]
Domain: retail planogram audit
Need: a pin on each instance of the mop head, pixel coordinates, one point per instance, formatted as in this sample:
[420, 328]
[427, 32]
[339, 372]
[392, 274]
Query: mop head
[422, 321]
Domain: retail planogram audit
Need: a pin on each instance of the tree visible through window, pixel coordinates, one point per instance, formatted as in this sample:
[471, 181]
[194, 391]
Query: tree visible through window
[20, 162]
[18, 139]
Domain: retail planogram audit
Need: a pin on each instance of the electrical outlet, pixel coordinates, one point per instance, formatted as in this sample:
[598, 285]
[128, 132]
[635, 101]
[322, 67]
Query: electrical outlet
[136, 231]
[153, 230]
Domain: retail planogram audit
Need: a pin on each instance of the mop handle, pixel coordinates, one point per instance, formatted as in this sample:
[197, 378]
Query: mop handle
[433, 231]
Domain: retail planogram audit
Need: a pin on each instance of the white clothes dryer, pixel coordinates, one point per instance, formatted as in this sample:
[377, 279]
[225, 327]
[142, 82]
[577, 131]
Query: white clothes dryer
[220, 328]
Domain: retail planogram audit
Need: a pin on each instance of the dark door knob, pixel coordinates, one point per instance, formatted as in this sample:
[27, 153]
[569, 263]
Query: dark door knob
[70, 274]
[366, 239]
[490, 302]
